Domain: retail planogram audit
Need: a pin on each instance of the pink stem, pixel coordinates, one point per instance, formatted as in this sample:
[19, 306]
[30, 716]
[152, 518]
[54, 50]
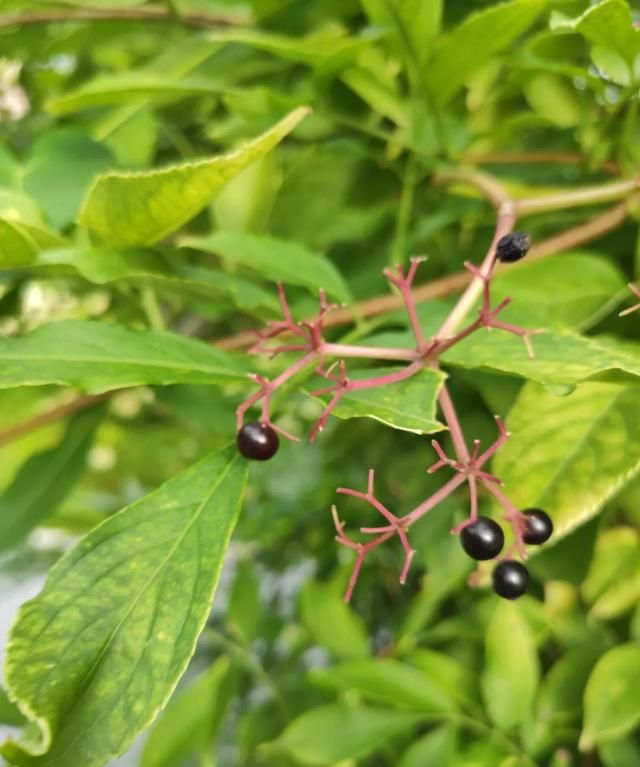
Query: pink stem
[505, 222]
[451, 418]
[433, 500]
[515, 518]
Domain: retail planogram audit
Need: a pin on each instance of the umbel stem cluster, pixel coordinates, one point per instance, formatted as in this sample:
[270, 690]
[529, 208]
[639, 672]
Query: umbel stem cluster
[256, 440]
[481, 538]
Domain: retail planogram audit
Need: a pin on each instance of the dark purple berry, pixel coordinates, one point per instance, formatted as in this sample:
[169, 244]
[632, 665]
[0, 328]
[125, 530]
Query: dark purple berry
[510, 579]
[482, 539]
[512, 247]
[538, 527]
[257, 441]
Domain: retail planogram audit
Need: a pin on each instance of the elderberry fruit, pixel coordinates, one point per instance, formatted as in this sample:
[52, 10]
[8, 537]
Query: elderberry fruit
[512, 247]
[482, 539]
[510, 579]
[257, 441]
[538, 527]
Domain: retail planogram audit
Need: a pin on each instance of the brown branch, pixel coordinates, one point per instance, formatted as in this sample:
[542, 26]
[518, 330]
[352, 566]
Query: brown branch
[578, 235]
[147, 13]
[535, 158]
[49, 416]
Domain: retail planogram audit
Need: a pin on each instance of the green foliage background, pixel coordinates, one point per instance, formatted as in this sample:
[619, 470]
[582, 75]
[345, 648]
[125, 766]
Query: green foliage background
[159, 172]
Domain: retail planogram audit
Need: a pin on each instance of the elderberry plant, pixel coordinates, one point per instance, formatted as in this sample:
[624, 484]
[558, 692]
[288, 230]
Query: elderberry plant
[482, 538]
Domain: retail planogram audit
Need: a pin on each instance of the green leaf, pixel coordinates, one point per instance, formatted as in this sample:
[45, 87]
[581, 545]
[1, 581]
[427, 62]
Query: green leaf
[473, 43]
[17, 247]
[510, 677]
[608, 24]
[611, 699]
[62, 165]
[101, 267]
[559, 441]
[188, 723]
[95, 656]
[567, 293]
[560, 699]
[620, 753]
[332, 733]
[275, 259]
[553, 98]
[406, 405]
[243, 614]
[331, 623]
[387, 681]
[131, 86]
[9, 712]
[436, 747]
[616, 556]
[142, 208]
[95, 357]
[46, 479]
[560, 359]
[445, 672]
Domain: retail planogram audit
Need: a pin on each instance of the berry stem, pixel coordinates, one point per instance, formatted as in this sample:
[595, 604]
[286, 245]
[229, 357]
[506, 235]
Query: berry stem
[367, 352]
[433, 500]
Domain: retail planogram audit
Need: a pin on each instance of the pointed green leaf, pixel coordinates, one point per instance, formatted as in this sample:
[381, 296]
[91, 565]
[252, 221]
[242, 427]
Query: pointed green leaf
[332, 733]
[387, 681]
[608, 24]
[142, 208]
[94, 657]
[406, 405]
[185, 726]
[436, 747]
[569, 455]
[611, 707]
[567, 293]
[275, 259]
[510, 677]
[132, 86]
[95, 357]
[45, 479]
[331, 623]
[102, 266]
[561, 359]
[62, 165]
[474, 42]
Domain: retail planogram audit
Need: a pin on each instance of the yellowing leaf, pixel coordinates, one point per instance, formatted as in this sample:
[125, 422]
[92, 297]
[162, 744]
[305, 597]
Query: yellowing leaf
[142, 208]
[98, 652]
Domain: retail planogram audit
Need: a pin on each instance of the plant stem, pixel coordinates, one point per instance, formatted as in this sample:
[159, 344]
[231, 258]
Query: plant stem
[368, 352]
[505, 222]
[151, 307]
[573, 198]
[49, 416]
[399, 245]
[145, 14]
[451, 418]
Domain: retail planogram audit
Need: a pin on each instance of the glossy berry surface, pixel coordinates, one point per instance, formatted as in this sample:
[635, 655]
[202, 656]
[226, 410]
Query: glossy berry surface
[538, 527]
[512, 247]
[482, 539]
[257, 441]
[510, 579]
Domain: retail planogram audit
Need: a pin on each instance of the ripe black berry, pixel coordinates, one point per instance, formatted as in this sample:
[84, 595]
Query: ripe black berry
[538, 527]
[482, 539]
[510, 579]
[512, 247]
[257, 441]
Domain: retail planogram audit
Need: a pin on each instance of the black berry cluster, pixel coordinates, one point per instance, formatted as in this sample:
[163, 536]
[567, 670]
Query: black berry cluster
[483, 539]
